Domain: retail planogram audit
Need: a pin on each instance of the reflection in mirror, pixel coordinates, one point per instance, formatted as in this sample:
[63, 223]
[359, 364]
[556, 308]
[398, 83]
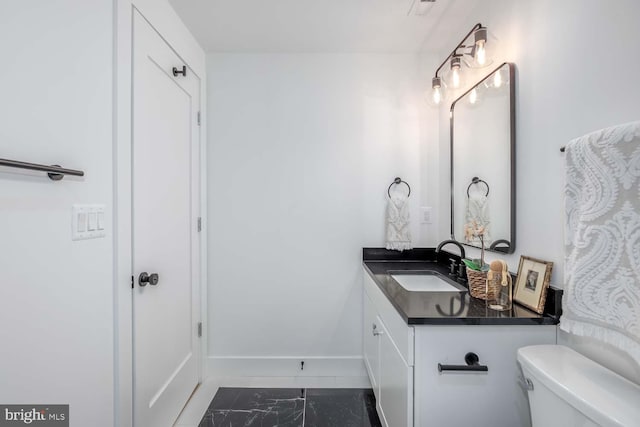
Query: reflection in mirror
[483, 163]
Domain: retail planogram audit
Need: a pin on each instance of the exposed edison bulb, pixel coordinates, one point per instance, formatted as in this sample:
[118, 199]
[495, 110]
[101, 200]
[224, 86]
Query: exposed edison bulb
[473, 96]
[480, 56]
[436, 95]
[497, 79]
[455, 77]
[481, 53]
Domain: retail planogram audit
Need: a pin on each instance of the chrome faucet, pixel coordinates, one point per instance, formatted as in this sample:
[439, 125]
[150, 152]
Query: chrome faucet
[453, 242]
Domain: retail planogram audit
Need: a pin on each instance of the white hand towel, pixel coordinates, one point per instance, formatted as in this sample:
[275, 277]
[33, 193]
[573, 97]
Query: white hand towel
[398, 222]
[477, 215]
[602, 237]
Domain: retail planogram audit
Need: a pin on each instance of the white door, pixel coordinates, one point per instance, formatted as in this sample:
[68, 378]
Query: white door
[165, 202]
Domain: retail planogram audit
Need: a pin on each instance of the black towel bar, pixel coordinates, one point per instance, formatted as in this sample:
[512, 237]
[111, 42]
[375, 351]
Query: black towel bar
[55, 172]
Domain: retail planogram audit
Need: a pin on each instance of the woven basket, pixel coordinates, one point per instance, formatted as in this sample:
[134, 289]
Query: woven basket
[479, 287]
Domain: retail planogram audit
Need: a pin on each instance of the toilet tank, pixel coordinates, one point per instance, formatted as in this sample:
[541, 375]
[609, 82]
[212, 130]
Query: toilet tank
[567, 389]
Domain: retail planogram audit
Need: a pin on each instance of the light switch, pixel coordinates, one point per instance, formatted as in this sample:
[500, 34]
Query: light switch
[100, 220]
[82, 222]
[93, 221]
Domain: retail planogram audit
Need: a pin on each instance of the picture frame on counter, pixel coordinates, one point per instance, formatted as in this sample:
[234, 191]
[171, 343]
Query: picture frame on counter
[532, 283]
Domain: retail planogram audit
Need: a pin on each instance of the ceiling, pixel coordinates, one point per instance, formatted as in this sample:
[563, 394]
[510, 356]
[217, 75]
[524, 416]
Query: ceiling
[325, 25]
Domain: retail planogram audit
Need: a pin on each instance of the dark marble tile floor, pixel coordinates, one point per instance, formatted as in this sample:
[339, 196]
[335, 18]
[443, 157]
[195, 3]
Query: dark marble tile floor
[341, 408]
[287, 407]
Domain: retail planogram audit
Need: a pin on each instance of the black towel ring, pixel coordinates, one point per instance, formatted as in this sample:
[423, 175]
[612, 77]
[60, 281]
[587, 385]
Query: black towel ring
[398, 181]
[476, 180]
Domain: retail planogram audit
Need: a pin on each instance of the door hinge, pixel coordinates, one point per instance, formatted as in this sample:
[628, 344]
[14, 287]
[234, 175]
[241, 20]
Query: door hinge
[198, 118]
[199, 329]
[131, 282]
[199, 224]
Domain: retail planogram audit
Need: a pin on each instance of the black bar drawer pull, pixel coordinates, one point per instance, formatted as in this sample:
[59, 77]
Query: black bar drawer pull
[472, 365]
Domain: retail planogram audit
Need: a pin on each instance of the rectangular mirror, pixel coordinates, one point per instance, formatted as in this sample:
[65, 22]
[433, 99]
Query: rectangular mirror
[482, 126]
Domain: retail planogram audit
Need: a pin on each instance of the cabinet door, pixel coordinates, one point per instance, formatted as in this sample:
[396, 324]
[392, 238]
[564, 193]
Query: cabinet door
[402, 334]
[371, 342]
[395, 383]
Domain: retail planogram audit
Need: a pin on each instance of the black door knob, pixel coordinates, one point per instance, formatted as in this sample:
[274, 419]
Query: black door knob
[145, 278]
[182, 71]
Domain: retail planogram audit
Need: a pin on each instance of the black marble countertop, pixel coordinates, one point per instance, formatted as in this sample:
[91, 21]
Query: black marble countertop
[441, 308]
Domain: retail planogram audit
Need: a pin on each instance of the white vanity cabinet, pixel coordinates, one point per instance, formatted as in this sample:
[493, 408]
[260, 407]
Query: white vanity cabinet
[402, 363]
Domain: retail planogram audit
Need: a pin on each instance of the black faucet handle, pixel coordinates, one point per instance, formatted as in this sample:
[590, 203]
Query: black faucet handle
[462, 271]
[453, 267]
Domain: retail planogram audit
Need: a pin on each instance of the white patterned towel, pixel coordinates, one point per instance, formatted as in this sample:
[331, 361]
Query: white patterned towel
[602, 237]
[398, 233]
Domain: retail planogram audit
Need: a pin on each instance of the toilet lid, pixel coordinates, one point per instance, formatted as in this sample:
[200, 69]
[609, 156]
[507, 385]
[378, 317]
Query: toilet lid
[597, 392]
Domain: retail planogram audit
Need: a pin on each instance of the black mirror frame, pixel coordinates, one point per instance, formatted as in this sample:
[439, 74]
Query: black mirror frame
[512, 122]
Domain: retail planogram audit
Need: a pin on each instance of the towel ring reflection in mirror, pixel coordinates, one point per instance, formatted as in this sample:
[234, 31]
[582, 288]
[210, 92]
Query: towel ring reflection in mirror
[501, 245]
[397, 181]
[476, 180]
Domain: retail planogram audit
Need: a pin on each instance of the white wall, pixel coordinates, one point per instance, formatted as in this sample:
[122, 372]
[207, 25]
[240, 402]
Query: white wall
[56, 295]
[302, 148]
[576, 72]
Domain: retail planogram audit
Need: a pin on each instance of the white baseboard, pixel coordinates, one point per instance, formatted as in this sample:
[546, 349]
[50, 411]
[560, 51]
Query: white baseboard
[315, 366]
[293, 382]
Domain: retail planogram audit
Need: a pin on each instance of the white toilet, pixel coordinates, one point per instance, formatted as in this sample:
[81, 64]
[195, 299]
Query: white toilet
[567, 389]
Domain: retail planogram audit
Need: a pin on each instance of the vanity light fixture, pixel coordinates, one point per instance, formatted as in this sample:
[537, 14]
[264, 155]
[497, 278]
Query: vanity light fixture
[476, 50]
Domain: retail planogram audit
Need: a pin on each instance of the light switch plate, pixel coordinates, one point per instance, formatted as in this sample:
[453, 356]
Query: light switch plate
[88, 222]
[426, 215]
